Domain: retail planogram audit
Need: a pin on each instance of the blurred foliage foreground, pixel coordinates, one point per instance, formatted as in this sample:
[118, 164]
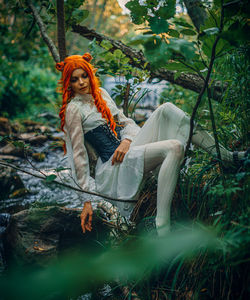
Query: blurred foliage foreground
[148, 265]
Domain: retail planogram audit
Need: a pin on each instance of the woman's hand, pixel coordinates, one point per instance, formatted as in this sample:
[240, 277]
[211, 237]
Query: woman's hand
[86, 217]
[120, 151]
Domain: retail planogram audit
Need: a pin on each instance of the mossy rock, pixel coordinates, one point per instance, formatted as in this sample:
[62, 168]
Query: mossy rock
[39, 235]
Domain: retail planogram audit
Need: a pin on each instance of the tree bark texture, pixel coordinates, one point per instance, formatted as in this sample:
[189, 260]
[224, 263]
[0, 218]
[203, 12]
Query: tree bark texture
[196, 12]
[189, 81]
[44, 34]
[61, 29]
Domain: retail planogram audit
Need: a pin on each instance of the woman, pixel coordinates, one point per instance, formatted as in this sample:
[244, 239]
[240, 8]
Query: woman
[127, 152]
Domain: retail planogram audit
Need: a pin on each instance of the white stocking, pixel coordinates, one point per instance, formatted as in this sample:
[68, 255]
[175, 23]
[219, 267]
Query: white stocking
[168, 155]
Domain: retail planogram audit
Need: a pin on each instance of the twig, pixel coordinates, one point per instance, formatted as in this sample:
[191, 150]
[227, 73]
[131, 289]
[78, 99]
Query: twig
[214, 131]
[64, 184]
[205, 86]
[125, 102]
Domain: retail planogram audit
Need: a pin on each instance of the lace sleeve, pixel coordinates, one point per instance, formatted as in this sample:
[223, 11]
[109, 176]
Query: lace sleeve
[76, 151]
[130, 129]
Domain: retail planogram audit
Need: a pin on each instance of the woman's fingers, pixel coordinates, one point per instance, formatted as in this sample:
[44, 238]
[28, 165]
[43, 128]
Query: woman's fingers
[118, 156]
[86, 224]
[83, 223]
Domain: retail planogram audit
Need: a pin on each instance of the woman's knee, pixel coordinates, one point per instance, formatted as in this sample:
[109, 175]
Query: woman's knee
[176, 147]
[167, 109]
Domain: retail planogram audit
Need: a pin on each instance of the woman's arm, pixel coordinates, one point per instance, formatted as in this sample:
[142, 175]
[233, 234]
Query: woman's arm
[78, 159]
[128, 132]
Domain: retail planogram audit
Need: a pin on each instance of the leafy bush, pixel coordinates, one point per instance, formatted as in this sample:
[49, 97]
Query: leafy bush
[26, 87]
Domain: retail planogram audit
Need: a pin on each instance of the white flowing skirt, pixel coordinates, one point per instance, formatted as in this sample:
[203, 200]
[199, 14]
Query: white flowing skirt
[122, 181]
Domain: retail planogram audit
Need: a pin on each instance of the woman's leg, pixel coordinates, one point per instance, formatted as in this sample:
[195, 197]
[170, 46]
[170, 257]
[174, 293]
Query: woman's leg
[168, 155]
[204, 140]
[170, 122]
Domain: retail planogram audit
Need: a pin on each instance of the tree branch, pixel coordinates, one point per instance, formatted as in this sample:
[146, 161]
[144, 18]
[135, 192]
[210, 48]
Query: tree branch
[44, 34]
[3, 163]
[189, 81]
[205, 85]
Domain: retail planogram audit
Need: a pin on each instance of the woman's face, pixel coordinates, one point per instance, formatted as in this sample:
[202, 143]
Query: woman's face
[79, 82]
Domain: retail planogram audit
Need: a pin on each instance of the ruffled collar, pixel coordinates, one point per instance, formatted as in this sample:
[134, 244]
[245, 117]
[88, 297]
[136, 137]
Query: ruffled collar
[83, 98]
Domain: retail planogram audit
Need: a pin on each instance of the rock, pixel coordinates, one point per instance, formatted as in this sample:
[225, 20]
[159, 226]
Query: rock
[9, 158]
[11, 149]
[10, 181]
[19, 193]
[4, 220]
[38, 235]
[5, 127]
[38, 156]
[30, 123]
[26, 136]
[33, 139]
[38, 140]
[49, 116]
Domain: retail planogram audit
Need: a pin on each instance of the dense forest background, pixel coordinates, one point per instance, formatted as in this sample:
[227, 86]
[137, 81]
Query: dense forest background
[200, 50]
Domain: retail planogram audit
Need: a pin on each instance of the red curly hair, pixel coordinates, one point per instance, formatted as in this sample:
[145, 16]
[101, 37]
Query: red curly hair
[67, 67]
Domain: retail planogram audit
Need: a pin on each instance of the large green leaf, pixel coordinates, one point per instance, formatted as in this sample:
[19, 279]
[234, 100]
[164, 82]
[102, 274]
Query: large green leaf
[173, 33]
[182, 22]
[175, 66]
[157, 53]
[184, 47]
[137, 11]
[158, 25]
[168, 10]
[188, 32]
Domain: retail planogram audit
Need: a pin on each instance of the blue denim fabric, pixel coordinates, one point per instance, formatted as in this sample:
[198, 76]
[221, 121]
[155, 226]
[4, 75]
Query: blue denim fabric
[104, 140]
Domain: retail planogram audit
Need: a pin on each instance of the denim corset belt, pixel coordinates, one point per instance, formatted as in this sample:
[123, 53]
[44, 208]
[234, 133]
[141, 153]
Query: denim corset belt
[104, 140]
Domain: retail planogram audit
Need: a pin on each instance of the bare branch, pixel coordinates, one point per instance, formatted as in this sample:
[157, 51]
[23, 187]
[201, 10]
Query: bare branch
[44, 34]
[3, 163]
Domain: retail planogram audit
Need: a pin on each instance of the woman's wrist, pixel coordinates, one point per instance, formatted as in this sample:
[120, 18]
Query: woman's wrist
[128, 140]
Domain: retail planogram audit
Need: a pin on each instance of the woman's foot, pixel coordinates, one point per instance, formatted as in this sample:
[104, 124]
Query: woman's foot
[239, 160]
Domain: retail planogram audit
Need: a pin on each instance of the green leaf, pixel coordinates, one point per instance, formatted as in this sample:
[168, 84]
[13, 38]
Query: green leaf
[168, 11]
[177, 75]
[173, 33]
[118, 54]
[157, 52]
[183, 23]
[19, 144]
[183, 47]
[50, 178]
[138, 12]
[80, 14]
[106, 44]
[175, 66]
[158, 25]
[188, 32]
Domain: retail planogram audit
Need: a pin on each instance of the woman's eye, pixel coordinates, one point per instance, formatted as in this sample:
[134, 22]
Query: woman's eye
[84, 75]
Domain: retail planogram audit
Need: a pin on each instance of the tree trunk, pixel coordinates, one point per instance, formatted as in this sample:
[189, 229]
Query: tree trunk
[61, 29]
[196, 12]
